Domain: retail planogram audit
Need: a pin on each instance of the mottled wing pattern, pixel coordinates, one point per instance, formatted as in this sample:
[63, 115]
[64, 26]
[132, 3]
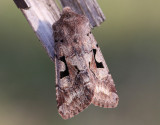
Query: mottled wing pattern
[105, 92]
[74, 92]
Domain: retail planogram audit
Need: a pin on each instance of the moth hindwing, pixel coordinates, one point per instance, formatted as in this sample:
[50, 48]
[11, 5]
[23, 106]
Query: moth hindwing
[82, 76]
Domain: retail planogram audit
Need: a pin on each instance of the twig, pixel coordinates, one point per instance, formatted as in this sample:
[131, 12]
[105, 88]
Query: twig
[41, 14]
[88, 7]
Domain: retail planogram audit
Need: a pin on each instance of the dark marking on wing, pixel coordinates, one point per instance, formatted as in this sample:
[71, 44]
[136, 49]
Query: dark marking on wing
[97, 45]
[75, 40]
[98, 65]
[56, 40]
[77, 69]
[66, 72]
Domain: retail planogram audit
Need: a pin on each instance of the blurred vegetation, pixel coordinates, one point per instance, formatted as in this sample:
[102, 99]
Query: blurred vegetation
[130, 42]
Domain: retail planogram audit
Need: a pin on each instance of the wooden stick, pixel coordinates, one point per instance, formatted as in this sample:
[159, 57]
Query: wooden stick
[41, 14]
[88, 7]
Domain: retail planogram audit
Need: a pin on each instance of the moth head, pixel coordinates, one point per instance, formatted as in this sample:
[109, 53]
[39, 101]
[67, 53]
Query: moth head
[74, 20]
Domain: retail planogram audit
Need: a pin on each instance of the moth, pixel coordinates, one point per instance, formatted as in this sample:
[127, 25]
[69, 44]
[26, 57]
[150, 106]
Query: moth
[82, 76]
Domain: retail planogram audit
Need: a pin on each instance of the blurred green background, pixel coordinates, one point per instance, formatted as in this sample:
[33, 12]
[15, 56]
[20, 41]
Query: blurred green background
[130, 42]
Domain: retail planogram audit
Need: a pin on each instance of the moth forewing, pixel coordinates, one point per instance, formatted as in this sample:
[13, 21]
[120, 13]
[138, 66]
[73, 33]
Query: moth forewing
[105, 94]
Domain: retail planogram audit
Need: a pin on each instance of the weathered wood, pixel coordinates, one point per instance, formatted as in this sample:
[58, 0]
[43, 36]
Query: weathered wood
[88, 7]
[41, 14]
[23, 4]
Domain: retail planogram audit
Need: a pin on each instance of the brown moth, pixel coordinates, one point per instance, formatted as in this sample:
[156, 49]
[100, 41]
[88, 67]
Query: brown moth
[82, 76]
